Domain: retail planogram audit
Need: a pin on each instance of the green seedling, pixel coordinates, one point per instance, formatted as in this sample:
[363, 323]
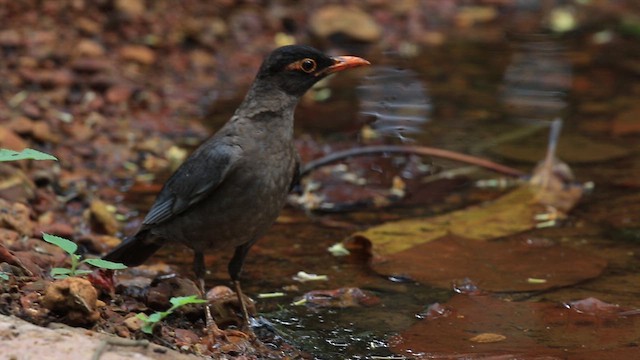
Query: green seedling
[76, 260]
[176, 302]
[10, 155]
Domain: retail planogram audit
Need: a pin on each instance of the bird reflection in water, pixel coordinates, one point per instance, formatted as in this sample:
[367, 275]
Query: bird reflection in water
[394, 102]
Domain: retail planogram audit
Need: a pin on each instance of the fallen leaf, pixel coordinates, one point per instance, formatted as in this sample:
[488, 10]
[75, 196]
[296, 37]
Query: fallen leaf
[488, 338]
[517, 330]
[500, 266]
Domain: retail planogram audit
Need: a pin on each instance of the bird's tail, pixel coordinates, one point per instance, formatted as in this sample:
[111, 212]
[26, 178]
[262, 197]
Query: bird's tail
[135, 250]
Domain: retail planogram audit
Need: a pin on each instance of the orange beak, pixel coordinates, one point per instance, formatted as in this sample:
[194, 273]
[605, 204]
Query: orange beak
[343, 63]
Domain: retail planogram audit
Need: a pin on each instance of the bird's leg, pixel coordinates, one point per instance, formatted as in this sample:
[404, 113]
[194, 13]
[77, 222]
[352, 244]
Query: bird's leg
[199, 268]
[235, 267]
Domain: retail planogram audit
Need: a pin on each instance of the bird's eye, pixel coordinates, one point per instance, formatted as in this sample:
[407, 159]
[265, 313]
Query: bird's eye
[308, 65]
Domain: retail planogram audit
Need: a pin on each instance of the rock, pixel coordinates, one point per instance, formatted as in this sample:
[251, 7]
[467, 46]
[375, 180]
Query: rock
[48, 77]
[184, 337]
[21, 339]
[15, 185]
[90, 65]
[161, 291]
[350, 21]
[74, 298]
[340, 298]
[42, 131]
[118, 94]
[98, 244]
[10, 38]
[224, 306]
[10, 140]
[88, 26]
[89, 48]
[16, 216]
[133, 8]
[104, 217]
[21, 125]
[8, 237]
[138, 53]
[133, 323]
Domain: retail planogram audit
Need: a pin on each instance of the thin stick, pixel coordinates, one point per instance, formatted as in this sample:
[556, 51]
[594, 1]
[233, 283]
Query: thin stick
[118, 342]
[417, 150]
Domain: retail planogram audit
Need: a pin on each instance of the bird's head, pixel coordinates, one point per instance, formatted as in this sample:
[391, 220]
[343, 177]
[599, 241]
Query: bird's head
[295, 68]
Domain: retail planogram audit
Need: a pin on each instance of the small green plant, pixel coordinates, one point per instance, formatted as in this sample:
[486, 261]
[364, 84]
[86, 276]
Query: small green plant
[10, 155]
[176, 302]
[70, 247]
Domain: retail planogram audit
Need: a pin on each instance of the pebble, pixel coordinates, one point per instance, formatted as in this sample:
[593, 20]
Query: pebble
[350, 21]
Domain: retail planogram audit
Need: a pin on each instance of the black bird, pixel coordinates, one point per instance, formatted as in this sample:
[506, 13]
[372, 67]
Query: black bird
[231, 189]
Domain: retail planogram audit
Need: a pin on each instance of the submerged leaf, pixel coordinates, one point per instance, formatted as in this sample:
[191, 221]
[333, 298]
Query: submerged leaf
[500, 266]
[510, 214]
[527, 330]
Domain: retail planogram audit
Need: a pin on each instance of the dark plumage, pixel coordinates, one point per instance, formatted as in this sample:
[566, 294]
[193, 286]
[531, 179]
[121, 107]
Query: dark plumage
[232, 188]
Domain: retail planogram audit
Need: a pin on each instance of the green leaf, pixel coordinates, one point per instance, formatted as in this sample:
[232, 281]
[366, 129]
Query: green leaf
[185, 300]
[143, 317]
[10, 155]
[156, 316]
[81, 272]
[104, 264]
[4, 276]
[60, 271]
[147, 328]
[66, 245]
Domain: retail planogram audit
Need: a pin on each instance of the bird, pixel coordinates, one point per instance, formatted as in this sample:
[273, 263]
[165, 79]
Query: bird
[230, 190]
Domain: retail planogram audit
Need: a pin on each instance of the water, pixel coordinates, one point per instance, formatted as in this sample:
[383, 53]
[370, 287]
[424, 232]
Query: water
[476, 98]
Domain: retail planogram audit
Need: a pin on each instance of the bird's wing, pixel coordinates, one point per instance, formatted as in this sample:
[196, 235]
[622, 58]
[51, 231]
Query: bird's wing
[200, 174]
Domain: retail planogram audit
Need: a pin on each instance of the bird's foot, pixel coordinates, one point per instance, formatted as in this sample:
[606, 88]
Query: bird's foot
[228, 341]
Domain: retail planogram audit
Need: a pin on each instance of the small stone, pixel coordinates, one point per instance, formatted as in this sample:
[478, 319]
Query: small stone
[42, 131]
[89, 48]
[488, 338]
[10, 140]
[132, 8]
[350, 21]
[138, 53]
[75, 298]
[88, 26]
[90, 65]
[133, 323]
[104, 217]
[119, 94]
[16, 216]
[219, 292]
[10, 38]
[15, 185]
[21, 125]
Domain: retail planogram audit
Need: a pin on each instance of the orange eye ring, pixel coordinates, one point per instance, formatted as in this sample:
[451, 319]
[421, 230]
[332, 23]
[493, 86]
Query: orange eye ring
[308, 65]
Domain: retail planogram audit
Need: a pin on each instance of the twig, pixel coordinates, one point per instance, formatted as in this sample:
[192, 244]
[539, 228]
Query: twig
[118, 342]
[417, 150]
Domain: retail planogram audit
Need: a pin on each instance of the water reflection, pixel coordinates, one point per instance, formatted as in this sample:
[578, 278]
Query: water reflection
[394, 102]
[537, 80]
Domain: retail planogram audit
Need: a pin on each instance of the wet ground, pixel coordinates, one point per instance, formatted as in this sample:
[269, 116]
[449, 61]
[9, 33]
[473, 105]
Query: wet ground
[488, 88]
[493, 101]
